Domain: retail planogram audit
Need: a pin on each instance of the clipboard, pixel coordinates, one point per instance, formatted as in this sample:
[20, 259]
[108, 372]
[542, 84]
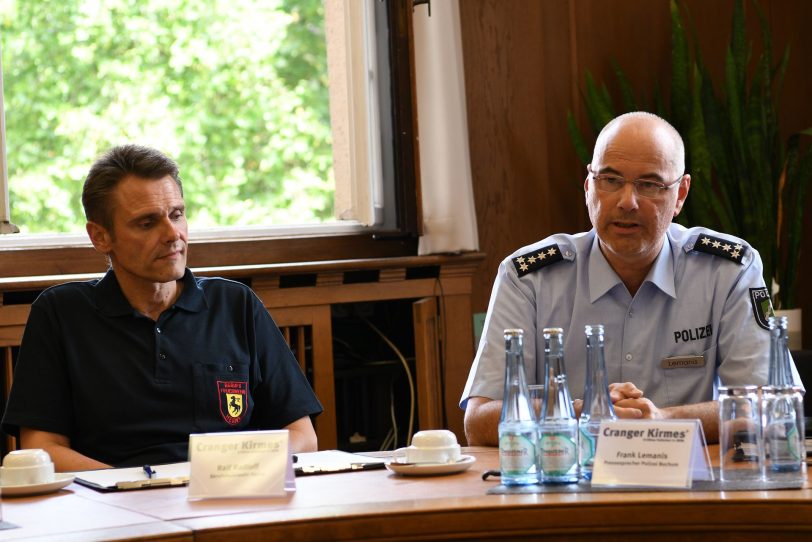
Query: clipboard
[130, 478]
[334, 461]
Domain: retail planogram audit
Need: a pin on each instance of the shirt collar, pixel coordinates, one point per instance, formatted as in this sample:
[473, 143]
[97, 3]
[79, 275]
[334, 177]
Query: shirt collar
[603, 278]
[661, 273]
[111, 301]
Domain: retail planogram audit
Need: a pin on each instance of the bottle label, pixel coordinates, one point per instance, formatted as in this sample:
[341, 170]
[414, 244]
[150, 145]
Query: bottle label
[558, 453]
[517, 455]
[785, 444]
[794, 443]
[586, 447]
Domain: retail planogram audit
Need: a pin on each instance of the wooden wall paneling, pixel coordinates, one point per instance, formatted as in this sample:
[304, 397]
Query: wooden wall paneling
[458, 353]
[633, 33]
[563, 184]
[504, 82]
[428, 379]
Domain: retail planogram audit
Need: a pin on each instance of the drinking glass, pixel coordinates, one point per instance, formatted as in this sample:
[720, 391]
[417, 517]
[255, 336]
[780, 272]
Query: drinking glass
[741, 445]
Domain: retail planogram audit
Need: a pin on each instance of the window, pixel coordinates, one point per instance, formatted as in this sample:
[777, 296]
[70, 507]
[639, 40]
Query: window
[236, 91]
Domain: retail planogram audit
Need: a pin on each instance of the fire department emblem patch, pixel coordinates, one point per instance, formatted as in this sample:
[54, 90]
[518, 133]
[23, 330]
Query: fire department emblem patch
[233, 399]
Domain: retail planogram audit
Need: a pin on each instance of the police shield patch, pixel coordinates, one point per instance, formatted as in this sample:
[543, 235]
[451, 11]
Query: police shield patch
[233, 398]
[762, 306]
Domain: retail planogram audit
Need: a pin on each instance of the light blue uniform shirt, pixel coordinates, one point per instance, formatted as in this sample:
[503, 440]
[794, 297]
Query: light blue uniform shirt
[691, 304]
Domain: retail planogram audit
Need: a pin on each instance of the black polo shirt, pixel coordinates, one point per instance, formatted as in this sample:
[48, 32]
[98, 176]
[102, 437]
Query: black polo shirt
[128, 390]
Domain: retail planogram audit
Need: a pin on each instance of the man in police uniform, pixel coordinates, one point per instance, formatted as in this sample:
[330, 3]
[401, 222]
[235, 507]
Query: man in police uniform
[684, 310]
[119, 371]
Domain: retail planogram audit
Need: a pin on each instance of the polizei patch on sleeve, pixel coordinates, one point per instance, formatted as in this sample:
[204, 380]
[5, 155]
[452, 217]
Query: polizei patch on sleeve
[762, 306]
[527, 263]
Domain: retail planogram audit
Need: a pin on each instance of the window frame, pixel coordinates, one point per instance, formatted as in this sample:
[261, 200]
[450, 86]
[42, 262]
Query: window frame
[73, 253]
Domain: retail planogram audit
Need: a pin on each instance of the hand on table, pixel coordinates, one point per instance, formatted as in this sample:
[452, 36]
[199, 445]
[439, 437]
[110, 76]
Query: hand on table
[628, 402]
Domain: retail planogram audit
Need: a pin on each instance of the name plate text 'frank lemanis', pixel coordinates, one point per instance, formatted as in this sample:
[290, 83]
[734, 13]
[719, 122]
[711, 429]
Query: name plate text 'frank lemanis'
[651, 453]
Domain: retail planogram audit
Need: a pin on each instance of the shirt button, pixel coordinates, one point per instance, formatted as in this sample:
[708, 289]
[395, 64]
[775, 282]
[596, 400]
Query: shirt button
[230, 368]
[157, 330]
[628, 357]
[162, 356]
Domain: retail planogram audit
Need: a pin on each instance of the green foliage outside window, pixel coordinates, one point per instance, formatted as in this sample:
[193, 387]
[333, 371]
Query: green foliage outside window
[234, 90]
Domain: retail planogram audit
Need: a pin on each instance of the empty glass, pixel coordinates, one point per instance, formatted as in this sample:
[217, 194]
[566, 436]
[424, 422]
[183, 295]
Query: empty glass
[741, 446]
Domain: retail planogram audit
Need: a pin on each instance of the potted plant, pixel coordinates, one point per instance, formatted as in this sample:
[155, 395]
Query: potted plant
[746, 181]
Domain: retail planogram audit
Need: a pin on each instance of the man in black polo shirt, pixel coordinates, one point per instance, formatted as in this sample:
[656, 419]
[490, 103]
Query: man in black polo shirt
[119, 371]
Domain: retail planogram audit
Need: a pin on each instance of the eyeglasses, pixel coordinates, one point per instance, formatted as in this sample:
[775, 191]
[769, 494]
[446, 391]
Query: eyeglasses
[606, 182]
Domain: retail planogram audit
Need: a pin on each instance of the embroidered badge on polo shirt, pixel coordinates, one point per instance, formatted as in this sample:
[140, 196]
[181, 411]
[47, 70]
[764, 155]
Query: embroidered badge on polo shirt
[720, 247]
[527, 263]
[233, 396]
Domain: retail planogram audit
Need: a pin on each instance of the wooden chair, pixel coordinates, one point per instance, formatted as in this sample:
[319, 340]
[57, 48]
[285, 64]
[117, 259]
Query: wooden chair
[12, 324]
[308, 331]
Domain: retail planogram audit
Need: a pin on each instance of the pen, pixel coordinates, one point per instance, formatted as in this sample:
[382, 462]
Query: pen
[149, 472]
[153, 483]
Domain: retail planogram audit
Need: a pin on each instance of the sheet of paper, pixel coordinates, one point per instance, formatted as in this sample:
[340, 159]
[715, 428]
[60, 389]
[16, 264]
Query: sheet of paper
[328, 461]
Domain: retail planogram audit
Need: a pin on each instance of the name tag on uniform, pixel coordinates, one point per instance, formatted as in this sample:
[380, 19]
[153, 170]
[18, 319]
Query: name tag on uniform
[683, 362]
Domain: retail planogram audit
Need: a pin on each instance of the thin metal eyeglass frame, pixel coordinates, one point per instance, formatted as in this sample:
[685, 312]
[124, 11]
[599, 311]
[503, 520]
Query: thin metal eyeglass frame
[663, 187]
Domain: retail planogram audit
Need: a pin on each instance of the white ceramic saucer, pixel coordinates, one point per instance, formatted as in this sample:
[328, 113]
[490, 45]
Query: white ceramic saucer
[430, 469]
[60, 481]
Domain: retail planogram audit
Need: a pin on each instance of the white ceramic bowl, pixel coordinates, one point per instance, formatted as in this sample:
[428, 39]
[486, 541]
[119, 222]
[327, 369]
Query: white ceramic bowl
[26, 467]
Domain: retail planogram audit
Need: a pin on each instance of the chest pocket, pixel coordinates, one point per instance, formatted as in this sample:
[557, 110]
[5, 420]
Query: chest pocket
[222, 397]
[686, 379]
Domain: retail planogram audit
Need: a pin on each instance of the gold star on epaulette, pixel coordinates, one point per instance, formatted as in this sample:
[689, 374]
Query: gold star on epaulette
[527, 263]
[720, 247]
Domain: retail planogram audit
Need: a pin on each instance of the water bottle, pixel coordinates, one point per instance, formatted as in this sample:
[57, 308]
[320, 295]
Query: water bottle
[780, 364]
[558, 427]
[517, 424]
[597, 402]
[782, 418]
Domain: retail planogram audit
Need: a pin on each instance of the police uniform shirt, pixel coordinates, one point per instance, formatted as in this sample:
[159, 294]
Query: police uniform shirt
[698, 320]
[128, 390]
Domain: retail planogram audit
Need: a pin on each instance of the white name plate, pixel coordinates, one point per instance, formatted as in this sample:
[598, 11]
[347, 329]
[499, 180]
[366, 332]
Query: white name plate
[651, 453]
[240, 464]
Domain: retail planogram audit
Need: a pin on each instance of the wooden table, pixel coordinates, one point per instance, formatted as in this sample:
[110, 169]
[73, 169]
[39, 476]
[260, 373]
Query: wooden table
[68, 515]
[380, 505]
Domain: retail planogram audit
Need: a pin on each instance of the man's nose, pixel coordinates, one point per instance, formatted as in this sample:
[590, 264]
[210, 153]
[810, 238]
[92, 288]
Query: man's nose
[171, 232]
[627, 197]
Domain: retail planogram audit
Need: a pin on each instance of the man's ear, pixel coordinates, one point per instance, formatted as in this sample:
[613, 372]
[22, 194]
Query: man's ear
[682, 193]
[99, 236]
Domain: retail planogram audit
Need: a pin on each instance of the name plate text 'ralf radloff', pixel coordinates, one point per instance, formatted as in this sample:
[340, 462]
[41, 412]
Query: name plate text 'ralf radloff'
[240, 464]
[651, 453]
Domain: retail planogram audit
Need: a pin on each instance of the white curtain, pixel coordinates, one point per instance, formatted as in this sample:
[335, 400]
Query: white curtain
[449, 216]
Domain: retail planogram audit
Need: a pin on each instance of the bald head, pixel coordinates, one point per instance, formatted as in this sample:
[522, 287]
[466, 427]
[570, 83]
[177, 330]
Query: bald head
[645, 125]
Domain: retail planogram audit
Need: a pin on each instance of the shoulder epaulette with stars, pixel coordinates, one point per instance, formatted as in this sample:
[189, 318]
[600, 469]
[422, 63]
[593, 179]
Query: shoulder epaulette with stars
[527, 263]
[720, 247]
